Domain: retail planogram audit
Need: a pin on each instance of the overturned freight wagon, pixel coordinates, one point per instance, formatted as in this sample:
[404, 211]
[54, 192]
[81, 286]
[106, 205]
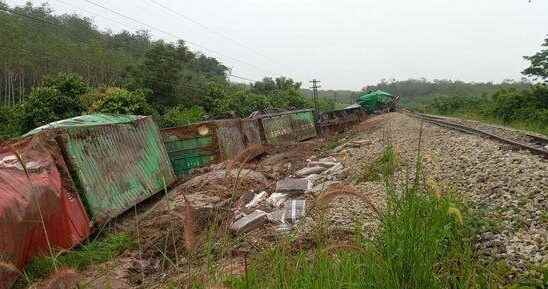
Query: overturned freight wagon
[39, 207]
[117, 161]
[287, 127]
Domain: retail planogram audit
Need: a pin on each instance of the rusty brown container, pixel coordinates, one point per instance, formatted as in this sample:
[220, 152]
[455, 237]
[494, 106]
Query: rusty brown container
[251, 129]
[340, 120]
[287, 127]
[231, 138]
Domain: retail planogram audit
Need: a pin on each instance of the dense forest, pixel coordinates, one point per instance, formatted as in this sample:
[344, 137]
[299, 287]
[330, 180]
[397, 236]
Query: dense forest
[58, 66]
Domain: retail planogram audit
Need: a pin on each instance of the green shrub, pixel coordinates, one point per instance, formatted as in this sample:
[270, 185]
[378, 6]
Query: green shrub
[45, 105]
[116, 100]
[9, 122]
[180, 116]
[57, 99]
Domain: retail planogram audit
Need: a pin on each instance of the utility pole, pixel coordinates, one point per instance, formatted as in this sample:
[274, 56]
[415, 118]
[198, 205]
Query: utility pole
[315, 87]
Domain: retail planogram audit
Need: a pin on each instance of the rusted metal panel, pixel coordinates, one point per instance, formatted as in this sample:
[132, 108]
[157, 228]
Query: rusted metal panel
[116, 166]
[293, 126]
[39, 206]
[340, 120]
[230, 137]
[251, 129]
[191, 146]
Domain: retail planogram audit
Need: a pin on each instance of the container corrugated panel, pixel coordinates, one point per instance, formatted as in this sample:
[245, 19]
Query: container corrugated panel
[340, 120]
[36, 192]
[116, 163]
[289, 127]
[230, 137]
[303, 125]
[252, 131]
[191, 146]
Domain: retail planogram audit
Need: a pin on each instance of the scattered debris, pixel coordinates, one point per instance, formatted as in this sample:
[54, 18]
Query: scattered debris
[276, 199]
[323, 164]
[328, 160]
[293, 185]
[309, 170]
[256, 200]
[249, 222]
[221, 182]
[320, 188]
[292, 212]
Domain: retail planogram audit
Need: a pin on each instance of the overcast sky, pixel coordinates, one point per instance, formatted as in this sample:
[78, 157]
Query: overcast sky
[345, 43]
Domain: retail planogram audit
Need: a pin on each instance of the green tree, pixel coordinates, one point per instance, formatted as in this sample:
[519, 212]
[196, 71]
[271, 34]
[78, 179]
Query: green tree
[180, 116]
[121, 101]
[538, 68]
[48, 104]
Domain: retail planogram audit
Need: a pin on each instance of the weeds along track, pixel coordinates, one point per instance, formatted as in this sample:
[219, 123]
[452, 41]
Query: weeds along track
[533, 143]
[505, 189]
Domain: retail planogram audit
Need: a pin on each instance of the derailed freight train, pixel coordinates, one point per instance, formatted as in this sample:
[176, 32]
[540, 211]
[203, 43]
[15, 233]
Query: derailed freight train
[378, 101]
[59, 181]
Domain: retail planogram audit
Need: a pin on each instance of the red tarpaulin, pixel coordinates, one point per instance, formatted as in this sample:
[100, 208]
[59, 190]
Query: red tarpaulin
[36, 197]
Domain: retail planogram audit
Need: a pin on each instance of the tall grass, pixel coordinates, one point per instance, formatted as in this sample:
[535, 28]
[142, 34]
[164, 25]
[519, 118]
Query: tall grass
[424, 241]
[94, 252]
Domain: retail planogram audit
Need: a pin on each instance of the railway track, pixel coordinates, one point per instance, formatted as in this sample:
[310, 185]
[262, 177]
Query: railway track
[535, 144]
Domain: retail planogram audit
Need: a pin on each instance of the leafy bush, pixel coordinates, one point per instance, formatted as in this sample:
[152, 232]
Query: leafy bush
[526, 108]
[120, 101]
[9, 122]
[58, 99]
[45, 105]
[180, 116]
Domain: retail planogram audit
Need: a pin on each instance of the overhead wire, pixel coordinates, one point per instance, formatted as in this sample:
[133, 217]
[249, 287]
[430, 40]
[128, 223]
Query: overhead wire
[242, 78]
[94, 13]
[81, 42]
[173, 35]
[205, 27]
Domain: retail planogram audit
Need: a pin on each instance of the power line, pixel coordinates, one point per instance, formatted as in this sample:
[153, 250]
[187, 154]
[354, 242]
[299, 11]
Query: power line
[93, 13]
[173, 35]
[315, 96]
[43, 21]
[242, 78]
[81, 42]
[209, 29]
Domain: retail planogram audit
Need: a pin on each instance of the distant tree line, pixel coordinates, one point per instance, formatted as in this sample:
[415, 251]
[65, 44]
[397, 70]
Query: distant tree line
[523, 105]
[59, 66]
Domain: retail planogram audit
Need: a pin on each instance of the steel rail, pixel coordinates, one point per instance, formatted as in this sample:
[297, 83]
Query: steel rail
[462, 128]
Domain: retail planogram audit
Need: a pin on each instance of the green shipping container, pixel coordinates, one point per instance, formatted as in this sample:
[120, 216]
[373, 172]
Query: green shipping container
[191, 146]
[375, 100]
[116, 161]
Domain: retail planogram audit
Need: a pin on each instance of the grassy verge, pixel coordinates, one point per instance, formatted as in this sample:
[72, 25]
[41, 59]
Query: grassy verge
[424, 241]
[94, 252]
[521, 125]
